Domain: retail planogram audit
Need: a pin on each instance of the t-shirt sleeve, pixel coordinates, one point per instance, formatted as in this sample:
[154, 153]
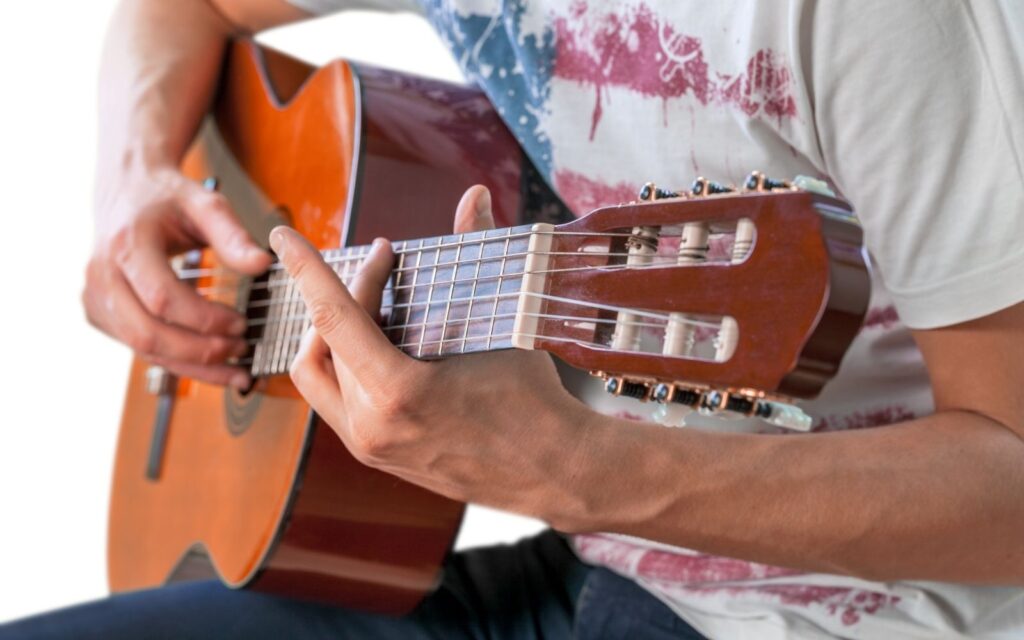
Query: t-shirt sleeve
[919, 111]
[322, 7]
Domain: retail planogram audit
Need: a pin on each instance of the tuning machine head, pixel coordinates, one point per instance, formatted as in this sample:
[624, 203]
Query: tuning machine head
[651, 192]
[707, 401]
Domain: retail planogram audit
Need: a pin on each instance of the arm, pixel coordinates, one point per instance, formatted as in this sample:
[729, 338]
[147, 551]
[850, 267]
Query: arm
[159, 70]
[935, 498]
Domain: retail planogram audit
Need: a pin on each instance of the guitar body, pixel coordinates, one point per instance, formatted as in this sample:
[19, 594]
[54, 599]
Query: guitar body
[256, 489]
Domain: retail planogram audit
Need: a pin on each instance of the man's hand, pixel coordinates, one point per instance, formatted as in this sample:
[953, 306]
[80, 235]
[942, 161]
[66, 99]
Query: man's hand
[160, 66]
[485, 428]
[131, 292]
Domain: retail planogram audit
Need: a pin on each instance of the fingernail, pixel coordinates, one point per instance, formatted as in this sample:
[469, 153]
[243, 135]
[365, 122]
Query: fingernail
[483, 205]
[240, 348]
[377, 244]
[278, 240]
[254, 252]
[240, 381]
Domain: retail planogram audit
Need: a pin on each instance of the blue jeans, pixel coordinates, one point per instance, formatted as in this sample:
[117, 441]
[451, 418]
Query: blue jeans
[535, 589]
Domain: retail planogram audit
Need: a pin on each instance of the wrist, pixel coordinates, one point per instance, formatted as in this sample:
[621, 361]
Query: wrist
[134, 169]
[591, 473]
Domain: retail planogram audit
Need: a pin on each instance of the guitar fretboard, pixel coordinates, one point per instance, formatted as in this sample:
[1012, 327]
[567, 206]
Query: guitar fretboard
[447, 295]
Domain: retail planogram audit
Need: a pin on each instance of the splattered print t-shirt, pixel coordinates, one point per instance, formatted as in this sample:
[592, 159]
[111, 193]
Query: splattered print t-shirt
[910, 109]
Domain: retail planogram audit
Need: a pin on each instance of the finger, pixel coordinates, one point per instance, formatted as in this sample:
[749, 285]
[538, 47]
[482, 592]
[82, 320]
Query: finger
[356, 342]
[312, 372]
[219, 226]
[474, 211]
[367, 287]
[168, 298]
[219, 374]
[120, 314]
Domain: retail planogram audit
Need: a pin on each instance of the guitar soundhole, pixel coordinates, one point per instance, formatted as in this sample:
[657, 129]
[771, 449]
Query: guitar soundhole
[241, 408]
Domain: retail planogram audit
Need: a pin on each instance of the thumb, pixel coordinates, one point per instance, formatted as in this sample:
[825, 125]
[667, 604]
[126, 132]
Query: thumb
[219, 226]
[474, 211]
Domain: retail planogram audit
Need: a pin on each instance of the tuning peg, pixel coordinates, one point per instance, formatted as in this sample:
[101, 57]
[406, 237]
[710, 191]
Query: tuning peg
[629, 388]
[705, 187]
[757, 181]
[666, 393]
[650, 192]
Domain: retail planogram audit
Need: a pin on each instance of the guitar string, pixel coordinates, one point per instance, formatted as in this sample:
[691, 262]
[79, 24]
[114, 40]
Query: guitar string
[197, 273]
[345, 262]
[605, 268]
[443, 326]
[580, 303]
[486, 318]
[444, 265]
[418, 343]
[427, 325]
[271, 302]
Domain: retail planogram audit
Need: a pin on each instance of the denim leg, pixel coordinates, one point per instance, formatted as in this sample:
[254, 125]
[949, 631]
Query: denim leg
[611, 607]
[208, 610]
[525, 591]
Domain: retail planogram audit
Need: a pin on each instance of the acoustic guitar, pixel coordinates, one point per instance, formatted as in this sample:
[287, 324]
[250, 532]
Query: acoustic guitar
[712, 299]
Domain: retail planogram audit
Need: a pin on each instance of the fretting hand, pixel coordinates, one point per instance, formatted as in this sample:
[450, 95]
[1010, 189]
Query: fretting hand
[486, 428]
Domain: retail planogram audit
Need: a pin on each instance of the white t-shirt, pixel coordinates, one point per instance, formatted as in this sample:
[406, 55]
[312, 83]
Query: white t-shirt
[912, 109]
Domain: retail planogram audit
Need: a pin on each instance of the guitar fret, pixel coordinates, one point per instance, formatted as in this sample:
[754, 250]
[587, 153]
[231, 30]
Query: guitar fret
[400, 317]
[443, 291]
[293, 299]
[275, 312]
[412, 294]
[451, 294]
[430, 296]
[275, 363]
[501, 275]
[472, 295]
[294, 310]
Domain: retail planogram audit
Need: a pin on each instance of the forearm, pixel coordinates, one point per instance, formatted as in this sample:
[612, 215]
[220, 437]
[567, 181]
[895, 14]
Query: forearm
[159, 69]
[936, 498]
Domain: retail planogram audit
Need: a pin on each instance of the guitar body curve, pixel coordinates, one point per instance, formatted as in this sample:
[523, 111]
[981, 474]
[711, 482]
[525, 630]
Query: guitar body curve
[256, 489]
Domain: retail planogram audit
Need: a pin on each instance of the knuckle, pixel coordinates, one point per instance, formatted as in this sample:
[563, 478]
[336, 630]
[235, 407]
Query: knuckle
[236, 237]
[143, 342]
[122, 245]
[328, 317]
[369, 445]
[395, 407]
[209, 319]
[216, 351]
[157, 300]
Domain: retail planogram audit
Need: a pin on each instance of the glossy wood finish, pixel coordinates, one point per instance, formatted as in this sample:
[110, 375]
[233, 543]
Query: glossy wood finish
[258, 484]
[799, 297]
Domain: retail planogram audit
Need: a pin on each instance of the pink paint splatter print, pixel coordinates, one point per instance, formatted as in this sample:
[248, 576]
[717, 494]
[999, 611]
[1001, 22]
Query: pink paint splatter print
[584, 194]
[635, 49]
[847, 603]
[865, 419]
[705, 575]
[884, 317]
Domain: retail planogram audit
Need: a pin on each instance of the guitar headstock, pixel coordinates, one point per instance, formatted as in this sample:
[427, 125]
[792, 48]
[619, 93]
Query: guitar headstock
[717, 298]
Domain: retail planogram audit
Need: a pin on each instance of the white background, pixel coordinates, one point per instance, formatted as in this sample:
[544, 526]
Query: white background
[62, 382]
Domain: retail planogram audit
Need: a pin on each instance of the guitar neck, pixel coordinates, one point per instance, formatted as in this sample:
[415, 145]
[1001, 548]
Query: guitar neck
[447, 295]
